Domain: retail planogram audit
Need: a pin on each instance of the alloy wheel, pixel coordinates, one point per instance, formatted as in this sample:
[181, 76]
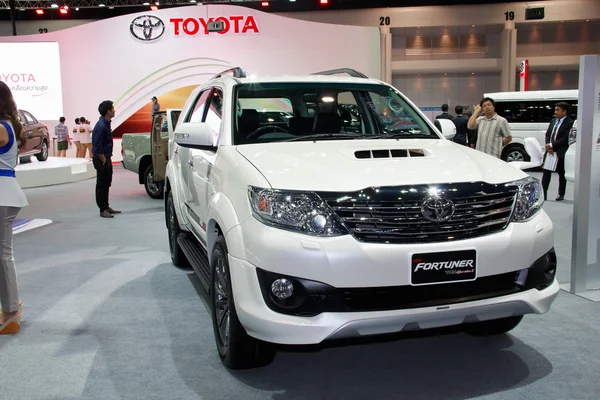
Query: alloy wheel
[515, 156]
[153, 186]
[222, 307]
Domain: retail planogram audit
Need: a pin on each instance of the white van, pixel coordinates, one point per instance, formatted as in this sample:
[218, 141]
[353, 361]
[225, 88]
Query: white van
[528, 115]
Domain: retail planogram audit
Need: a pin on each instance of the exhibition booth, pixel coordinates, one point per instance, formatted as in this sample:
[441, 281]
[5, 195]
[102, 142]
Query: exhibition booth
[131, 58]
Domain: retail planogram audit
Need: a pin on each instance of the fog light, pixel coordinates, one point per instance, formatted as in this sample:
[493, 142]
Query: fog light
[282, 288]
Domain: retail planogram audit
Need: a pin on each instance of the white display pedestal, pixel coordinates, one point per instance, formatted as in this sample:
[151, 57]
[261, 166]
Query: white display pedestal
[54, 171]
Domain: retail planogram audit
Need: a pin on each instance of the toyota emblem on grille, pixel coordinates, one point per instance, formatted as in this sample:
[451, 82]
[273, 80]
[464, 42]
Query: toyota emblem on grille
[147, 28]
[437, 208]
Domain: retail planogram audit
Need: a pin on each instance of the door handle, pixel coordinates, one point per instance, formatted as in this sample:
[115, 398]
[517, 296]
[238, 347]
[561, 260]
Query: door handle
[176, 151]
[190, 163]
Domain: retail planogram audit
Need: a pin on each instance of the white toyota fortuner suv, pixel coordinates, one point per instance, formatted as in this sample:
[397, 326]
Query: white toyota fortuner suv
[351, 215]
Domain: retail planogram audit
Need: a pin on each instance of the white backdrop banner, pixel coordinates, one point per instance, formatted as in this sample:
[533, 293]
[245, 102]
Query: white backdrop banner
[130, 58]
[32, 71]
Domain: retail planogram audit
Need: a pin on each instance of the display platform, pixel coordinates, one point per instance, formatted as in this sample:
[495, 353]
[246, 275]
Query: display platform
[24, 225]
[54, 171]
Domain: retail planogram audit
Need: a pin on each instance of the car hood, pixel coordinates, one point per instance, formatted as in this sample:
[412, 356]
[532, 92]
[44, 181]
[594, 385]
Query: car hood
[335, 165]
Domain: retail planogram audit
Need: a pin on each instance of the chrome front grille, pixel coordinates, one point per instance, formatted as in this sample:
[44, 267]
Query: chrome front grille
[393, 215]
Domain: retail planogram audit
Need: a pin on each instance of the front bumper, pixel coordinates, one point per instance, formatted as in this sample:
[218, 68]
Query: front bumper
[343, 262]
[263, 323]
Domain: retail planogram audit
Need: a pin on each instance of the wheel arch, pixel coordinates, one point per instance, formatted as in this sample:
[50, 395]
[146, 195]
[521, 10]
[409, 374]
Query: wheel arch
[222, 217]
[145, 161]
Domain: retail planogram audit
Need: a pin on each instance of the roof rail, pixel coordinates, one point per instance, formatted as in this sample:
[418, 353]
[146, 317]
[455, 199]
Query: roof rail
[352, 72]
[237, 72]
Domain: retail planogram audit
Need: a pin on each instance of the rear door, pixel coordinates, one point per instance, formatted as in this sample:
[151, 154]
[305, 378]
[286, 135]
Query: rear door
[35, 131]
[160, 139]
[29, 143]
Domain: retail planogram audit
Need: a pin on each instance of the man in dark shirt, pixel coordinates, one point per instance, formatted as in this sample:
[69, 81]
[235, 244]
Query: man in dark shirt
[462, 131]
[444, 114]
[102, 148]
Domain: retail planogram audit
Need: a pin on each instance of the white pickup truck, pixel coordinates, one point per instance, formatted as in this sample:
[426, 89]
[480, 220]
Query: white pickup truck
[354, 217]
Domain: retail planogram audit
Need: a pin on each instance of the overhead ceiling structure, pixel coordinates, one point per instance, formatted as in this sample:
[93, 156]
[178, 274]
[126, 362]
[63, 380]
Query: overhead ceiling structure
[280, 5]
[36, 4]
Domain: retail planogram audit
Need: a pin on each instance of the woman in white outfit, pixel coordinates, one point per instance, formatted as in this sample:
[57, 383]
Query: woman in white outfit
[12, 199]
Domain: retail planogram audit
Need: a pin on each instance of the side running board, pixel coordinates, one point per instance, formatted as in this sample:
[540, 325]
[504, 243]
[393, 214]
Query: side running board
[197, 256]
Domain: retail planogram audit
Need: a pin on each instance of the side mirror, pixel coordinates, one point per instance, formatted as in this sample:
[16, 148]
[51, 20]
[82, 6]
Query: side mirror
[446, 127]
[195, 135]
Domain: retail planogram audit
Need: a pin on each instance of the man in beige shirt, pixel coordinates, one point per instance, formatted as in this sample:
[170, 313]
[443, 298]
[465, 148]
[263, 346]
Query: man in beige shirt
[493, 132]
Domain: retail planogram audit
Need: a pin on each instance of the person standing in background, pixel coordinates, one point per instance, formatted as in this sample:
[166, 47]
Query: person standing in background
[85, 136]
[444, 114]
[462, 130]
[76, 138]
[102, 149]
[12, 199]
[493, 131]
[62, 137]
[155, 107]
[557, 142]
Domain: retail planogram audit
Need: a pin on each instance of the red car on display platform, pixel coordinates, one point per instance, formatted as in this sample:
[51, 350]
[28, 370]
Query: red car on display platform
[37, 138]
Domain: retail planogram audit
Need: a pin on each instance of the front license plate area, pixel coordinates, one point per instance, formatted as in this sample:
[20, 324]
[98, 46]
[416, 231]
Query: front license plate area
[443, 267]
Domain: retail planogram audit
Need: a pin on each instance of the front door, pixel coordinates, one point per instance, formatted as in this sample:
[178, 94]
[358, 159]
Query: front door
[172, 119]
[160, 140]
[202, 162]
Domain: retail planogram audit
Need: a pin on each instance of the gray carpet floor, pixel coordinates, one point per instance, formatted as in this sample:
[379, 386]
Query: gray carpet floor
[107, 316]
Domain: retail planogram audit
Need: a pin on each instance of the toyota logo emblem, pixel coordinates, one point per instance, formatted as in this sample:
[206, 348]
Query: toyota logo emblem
[147, 28]
[437, 208]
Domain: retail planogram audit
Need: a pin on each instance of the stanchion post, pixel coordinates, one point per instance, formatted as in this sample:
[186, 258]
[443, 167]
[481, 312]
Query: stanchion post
[585, 248]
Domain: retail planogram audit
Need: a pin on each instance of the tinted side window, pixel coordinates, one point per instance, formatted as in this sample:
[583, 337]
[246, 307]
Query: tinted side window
[547, 109]
[199, 108]
[518, 111]
[30, 118]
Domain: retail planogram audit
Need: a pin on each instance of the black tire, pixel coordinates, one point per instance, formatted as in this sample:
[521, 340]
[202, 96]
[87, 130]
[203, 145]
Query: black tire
[237, 349]
[154, 189]
[43, 154]
[177, 256]
[493, 327]
[515, 152]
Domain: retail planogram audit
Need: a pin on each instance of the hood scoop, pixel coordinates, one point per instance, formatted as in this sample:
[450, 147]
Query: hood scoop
[389, 153]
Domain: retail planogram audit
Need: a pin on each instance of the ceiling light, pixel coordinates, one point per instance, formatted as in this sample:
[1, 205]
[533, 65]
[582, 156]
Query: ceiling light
[39, 11]
[324, 2]
[54, 5]
[146, 4]
[154, 8]
[265, 4]
[192, 1]
[63, 11]
[101, 5]
[77, 9]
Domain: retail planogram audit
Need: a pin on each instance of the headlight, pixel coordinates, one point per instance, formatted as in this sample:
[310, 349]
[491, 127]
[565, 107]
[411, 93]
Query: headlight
[303, 212]
[530, 198]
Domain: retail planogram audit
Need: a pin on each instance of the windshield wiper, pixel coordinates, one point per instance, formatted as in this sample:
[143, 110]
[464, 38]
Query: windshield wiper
[405, 133]
[318, 136]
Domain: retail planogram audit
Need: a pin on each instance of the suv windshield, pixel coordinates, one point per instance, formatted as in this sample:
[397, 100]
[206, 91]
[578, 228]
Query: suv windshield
[276, 112]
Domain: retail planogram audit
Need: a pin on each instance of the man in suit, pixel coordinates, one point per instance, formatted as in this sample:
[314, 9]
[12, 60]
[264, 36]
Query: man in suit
[462, 131]
[444, 114]
[557, 142]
